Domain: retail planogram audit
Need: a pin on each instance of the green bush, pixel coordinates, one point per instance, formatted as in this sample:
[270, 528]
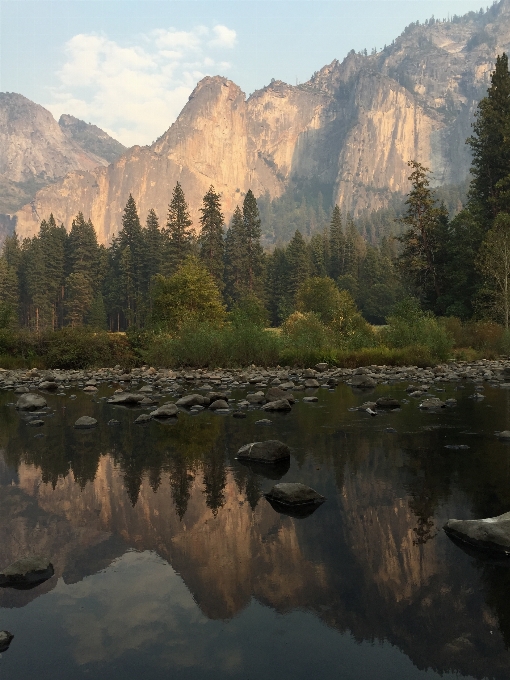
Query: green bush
[78, 348]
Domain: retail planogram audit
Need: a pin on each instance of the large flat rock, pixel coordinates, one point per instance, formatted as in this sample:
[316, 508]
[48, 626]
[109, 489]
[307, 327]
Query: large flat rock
[272, 451]
[31, 402]
[294, 494]
[492, 533]
[26, 572]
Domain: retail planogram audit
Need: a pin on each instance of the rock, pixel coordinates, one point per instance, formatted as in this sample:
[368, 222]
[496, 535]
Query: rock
[311, 382]
[21, 390]
[36, 423]
[432, 403]
[125, 377]
[264, 421]
[310, 400]
[146, 401]
[26, 572]
[85, 423]
[257, 398]
[145, 389]
[321, 367]
[192, 400]
[144, 418]
[451, 402]
[308, 373]
[287, 385]
[363, 381]
[294, 493]
[31, 402]
[218, 404]
[214, 396]
[166, 411]
[126, 398]
[279, 405]
[505, 435]
[239, 414]
[270, 451]
[48, 385]
[387, 402]
[5, 640]
[275, 393]
[113, 422]
[90, 388]
[492, 533]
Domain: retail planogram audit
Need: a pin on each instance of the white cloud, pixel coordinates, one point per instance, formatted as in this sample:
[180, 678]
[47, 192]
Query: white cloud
[135, 92]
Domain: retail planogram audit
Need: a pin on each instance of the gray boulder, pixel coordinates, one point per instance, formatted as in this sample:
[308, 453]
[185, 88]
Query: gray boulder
[21, 390]
[275, 393]
[310, 400]
[48, 385]
[257, 398]
[294, 493]
[505, 435]
[279, 405]
[311, 382]
[492, 533]
[271, 451]
[5, 640]
[27, 571]
[126, 398]
[218, 404]
[387, 402]
[432, 403]
[363, 381]
[214, 396]
[323, 366]
[144, 418]
[166, 411]
[85, 423]
[192, 400]
[31, 402]
[90, 388]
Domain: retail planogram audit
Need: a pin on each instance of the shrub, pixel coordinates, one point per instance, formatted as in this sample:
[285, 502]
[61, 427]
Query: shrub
[78, 348]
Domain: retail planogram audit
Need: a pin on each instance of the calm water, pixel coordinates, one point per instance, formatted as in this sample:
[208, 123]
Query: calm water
[169, 562]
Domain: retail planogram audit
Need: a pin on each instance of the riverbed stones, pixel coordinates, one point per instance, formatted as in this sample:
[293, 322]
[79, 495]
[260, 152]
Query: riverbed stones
[294, 494]
[26, 572]
[85, 423]
[271, 451]
[492, 533]
[31, 402]
[278, 405]
[5, 640]
[166, 411]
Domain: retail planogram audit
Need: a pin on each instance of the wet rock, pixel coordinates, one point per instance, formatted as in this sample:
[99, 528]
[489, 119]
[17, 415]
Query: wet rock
[166, 411]
[126, 398]
[219, 404]
[214, 396]
[145, 389]
[26, 572]
[457, 447]
[451, 402]
[90, 388]
[264, 421]
[311, 382]
[432, 403]
[321, 367]
[279, 405]
[294, 493]
[289, 385]
[31, 402]
[276, 393]
[147, 401]
[85, 423]
[270, 451]
[48, 385]
[239, 414]
[387, 402]
[309, 400]
[5, 640]
[125, 377]
[113, 422]
[309, 373]
[275, 471]
[362, 381]
[257, 398]
[492, 533]
[192, 400]
[505, 435]
[144, 418]
[21, 390]
[36, 423]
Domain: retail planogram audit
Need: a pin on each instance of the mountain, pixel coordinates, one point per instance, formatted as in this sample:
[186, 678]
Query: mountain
[36, 151]
[350, 129]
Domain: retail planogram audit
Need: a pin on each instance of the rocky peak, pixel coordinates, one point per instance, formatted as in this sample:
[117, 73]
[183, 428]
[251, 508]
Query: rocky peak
[91, 138]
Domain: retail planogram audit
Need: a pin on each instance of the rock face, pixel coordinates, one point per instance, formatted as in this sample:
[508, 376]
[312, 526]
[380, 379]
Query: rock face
[352, 127]
[492, 533]
[91, 138]
[26, 572]
[271, 451]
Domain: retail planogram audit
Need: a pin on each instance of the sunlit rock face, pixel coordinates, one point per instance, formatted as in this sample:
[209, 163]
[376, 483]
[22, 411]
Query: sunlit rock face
[352, 127]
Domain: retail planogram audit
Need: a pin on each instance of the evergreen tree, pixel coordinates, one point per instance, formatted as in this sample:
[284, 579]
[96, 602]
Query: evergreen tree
[79, 297]
[254, 254]
[319, 251]
[154, 244]
[178, 231]
[298, 265]
[336, 245]
[83, 250]
[211, 239]
[277, 295]
[97, 315]
[53, 241]
[235, 258]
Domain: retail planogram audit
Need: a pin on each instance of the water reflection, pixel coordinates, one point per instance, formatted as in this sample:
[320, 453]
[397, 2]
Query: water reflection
[371, 561]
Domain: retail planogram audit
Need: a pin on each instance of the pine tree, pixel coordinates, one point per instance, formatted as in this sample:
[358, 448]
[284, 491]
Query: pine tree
[490, 145]
[178, 230]
[298, 264]
[96, 318]
[153, 247]
[235, 258]
[79, 297]
[211, 239]
[254, 253]
[277, 296]
[53, 241]
[336, 245]
[83, 250]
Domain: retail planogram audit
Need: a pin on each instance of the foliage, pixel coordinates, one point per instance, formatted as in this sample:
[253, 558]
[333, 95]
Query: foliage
[211, 239]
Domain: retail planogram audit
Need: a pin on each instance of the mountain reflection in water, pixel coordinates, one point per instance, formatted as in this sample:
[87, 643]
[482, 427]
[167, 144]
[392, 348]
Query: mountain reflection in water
[371, 564]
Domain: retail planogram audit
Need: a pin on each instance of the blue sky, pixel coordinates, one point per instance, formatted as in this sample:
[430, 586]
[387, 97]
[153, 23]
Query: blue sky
[130, 65]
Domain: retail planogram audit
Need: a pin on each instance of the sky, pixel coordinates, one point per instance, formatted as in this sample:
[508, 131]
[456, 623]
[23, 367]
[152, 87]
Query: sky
[129, 66]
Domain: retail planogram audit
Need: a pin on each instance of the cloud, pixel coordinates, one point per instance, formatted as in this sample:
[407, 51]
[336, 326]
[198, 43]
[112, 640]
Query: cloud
[135, 92]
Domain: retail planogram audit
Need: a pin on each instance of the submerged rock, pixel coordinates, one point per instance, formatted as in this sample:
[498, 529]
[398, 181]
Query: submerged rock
[26, 572]
[432, 403]
[280, 405]
[85, 423]
[363, 381]
[387, 402]
[275, 393]
[294, 493]
[271, 451]
[492, 533]
[126, 398]
[5, 640]
[31, 402]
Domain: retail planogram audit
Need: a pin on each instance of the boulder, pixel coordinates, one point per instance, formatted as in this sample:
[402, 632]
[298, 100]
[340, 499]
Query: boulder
[387, 402]
[323, 366]
[271, 451]
[31, 402]
[432, 403]
[214, 396]
[36, 423]
[166, 411]
[289, 385]
[279, 405]
[310, 400]
[492, 533]
[146, 389]
[85, 423]
[218, 404]
[144, 418]
[239, 414]
[26, 572]
[5, 640]
[192, 400]
[90, 388]
[275, 393]
[126, 398]
[311, 382]
[257, 398]
[21, 390]
[308, 373]
[125, 377]
[363, 381]
[48, 385]
[294, 493]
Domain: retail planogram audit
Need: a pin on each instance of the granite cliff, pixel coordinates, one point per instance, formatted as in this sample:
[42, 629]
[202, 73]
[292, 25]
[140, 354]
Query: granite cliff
[352, 127]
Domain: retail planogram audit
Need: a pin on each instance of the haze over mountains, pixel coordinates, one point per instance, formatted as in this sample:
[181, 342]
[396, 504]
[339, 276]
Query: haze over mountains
[349, 131]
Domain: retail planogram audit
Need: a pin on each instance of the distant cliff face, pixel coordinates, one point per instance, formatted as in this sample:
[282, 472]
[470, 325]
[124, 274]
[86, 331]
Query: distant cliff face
[352, 127]
[91, 138]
